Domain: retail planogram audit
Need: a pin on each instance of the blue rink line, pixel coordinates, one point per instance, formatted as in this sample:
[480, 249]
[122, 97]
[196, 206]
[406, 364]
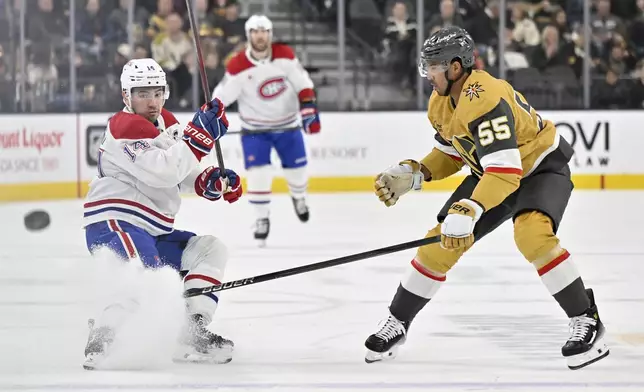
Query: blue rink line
[350, 386]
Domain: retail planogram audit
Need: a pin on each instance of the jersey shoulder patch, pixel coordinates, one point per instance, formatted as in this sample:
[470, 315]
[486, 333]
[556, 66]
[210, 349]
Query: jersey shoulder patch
[282, 51]
[239, 63]
[480, 94]
[132, 127]
[168, 118]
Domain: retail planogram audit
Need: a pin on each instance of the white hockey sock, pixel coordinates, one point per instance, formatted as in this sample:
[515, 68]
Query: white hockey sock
[421, 281]
[297, 180]
[259, 180]
[205, 259]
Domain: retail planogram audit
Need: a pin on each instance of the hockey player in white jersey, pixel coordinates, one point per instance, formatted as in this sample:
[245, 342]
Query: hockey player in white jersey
[276, 102]
[145, 160]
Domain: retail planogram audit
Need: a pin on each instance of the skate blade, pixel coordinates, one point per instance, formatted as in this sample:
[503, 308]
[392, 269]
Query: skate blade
[597, 352]
[189, 355]
[373, 356]
[92, 362]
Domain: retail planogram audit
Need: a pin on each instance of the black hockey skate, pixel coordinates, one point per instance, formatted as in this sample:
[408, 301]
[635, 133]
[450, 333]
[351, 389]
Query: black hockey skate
[262, 228]
[301, 209]
[586, 344]
[384, 343]
[97, 345]
[202, 346]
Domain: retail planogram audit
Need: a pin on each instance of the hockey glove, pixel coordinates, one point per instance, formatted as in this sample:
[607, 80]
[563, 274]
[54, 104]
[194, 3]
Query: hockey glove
[207, 125]
[398, 180]
[458, 226]
[309, 111]
[212, 185]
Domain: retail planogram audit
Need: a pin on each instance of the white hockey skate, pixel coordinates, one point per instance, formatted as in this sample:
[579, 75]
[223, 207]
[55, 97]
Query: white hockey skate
[262, 228]
[199, 345]
[384, 344]
[301, 209]
[586, 344]
[98, 344]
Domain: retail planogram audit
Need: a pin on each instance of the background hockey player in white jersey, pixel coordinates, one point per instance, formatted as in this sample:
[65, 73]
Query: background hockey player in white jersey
[274, 94]
[144, 162]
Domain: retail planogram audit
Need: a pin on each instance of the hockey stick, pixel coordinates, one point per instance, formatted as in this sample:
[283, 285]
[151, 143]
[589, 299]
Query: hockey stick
[313, 267]
[202, 73]
[251, 132]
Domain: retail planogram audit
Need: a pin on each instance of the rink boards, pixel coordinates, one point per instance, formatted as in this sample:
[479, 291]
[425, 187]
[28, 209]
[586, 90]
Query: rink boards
[54, 156]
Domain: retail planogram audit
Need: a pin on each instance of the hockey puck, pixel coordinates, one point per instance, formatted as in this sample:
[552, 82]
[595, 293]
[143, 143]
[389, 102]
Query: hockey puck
[37, 220]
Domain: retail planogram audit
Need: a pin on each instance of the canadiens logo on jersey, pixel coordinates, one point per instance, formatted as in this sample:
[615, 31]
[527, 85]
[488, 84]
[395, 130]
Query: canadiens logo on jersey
[473, 90]
[272, 87]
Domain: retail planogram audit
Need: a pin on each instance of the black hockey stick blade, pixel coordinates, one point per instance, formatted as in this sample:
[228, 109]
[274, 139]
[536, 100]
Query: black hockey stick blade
[312, 267]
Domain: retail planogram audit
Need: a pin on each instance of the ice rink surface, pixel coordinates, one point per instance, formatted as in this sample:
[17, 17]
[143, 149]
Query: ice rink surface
[493, 326]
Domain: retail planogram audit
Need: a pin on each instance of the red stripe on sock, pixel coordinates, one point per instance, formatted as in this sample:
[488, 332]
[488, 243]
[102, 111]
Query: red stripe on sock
[558, 260]
[202, 277]
[419, 267]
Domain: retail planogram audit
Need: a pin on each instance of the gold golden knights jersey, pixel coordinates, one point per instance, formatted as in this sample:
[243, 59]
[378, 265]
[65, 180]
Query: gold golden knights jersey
[493, 130]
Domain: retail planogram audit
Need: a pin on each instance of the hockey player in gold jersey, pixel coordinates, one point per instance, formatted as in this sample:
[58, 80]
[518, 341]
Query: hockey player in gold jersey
[519, 171]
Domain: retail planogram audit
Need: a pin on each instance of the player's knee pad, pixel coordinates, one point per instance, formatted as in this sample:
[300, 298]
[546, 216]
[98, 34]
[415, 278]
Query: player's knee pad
[297, 180]
[535, 237]
[205, 258]
[436, 259]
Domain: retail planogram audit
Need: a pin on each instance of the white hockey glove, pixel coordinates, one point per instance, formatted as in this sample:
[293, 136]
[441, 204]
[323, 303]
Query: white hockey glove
[458, 226]
[398, 180]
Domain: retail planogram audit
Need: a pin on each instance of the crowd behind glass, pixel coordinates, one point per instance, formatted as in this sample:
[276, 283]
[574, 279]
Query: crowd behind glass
[544, 46]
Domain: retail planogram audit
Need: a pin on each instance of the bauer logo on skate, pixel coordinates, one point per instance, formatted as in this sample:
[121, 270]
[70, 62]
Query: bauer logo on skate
[272, 88]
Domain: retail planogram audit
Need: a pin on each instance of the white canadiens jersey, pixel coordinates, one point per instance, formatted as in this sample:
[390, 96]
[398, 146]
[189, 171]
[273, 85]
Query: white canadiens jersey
[268, 92]
[142, 168]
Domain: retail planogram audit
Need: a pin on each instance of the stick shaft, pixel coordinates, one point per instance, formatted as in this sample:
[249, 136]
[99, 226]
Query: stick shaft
[313, 267]
[202, 73]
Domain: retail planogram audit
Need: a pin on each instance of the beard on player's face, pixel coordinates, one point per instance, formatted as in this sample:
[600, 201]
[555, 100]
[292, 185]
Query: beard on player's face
[259, 40]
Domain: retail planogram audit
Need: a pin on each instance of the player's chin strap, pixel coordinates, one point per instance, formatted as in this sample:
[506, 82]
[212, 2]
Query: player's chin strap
[450, 82]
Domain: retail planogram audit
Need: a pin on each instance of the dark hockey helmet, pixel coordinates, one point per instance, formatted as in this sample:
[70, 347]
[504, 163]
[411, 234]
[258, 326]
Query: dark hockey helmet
[443, 47]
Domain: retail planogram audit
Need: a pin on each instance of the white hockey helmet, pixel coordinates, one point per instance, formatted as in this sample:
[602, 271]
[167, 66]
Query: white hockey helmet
[143, 73]
[259, 22]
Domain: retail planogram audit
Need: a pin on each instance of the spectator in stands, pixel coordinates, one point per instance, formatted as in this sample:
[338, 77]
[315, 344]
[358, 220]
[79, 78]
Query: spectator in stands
[6, 90]
[561, 22]
[619, 59]
[637, 90]
[233, 27]
[92, 30]
[45, 26]
[214, 69]
[636, 30]
[157, 22]
[484, 27]
[525, 32]
[140, 52]
[170, 46]
[604, 25]
[207, 21]
[118, 22]
[400, 43]
[42, 77]
[544, 13]
[219, 8]
[611, 93]
[447, 17]
[552, 52]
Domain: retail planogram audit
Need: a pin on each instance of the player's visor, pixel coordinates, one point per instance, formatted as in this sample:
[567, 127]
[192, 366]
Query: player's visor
[431, 68]
[149, 92]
